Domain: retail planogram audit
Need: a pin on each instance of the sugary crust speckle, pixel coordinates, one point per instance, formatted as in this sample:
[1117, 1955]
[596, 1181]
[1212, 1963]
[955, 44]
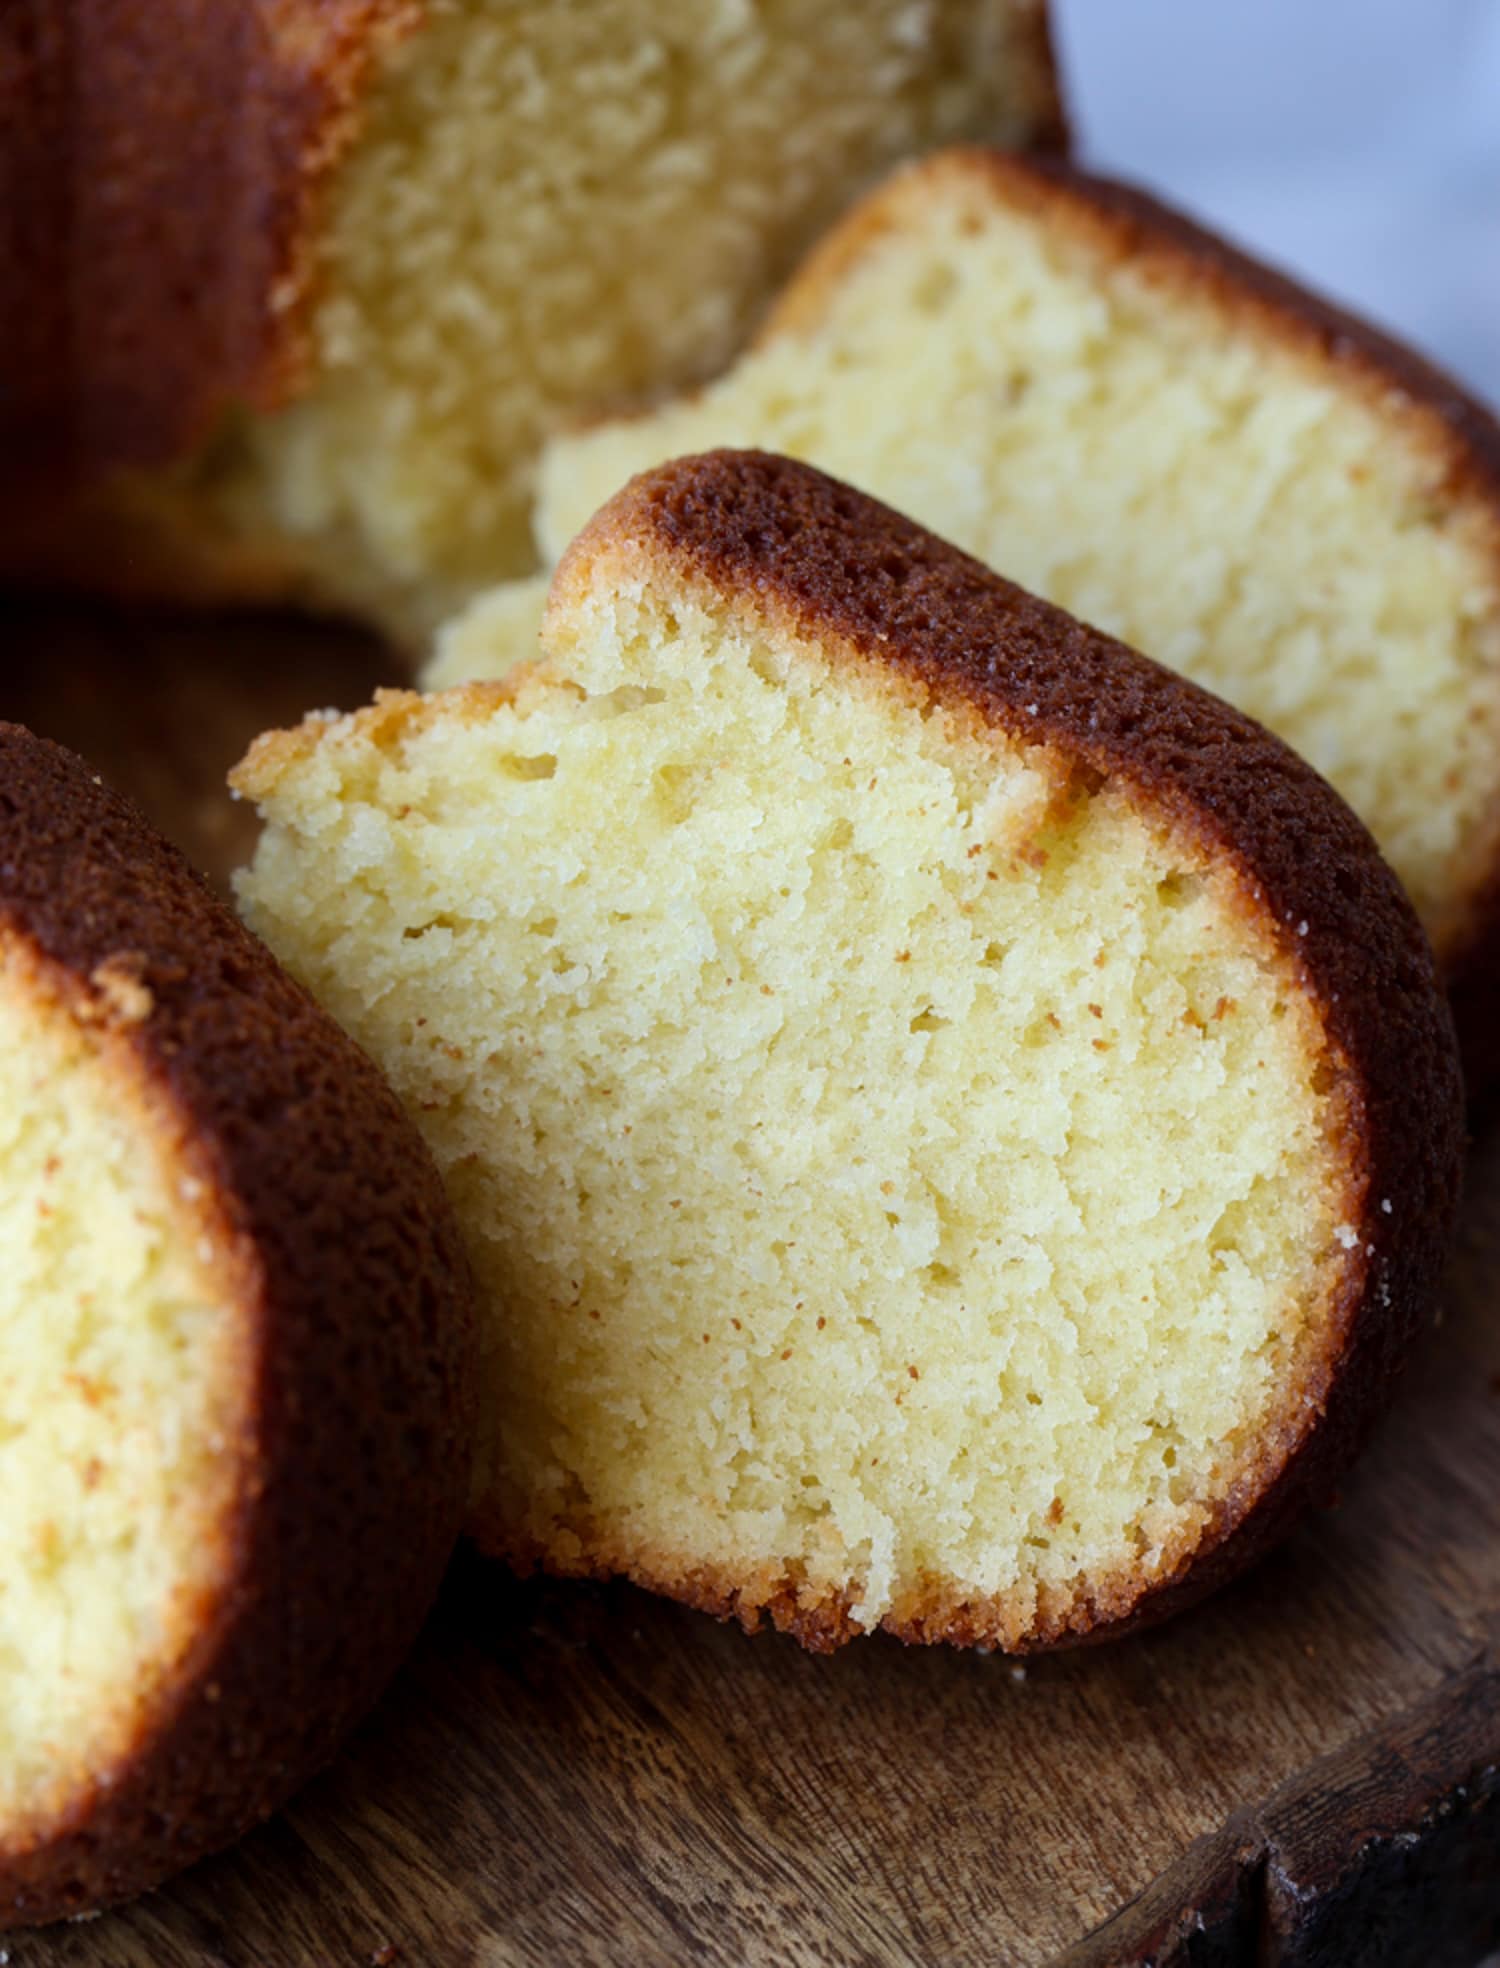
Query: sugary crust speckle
[337, 1239]
[786, 543]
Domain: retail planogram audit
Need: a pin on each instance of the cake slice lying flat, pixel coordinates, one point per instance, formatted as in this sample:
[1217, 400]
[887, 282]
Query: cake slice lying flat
[1115, 409]
[236, 1360]
[955, 1127]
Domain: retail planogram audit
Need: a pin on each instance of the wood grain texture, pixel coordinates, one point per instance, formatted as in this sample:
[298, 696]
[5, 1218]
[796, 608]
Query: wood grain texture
[1302, 1773]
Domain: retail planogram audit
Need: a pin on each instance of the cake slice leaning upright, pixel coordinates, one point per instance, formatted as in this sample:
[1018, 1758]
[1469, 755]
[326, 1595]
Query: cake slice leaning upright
[1117, 409]
[955, 1127]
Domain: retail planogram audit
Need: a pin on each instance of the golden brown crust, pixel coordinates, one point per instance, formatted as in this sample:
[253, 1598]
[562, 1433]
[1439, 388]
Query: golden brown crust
[1435, 416]
[792, 545]
[357, 1304]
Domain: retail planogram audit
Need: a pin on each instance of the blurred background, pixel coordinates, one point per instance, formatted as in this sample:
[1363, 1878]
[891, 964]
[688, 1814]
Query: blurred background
[1354, 142]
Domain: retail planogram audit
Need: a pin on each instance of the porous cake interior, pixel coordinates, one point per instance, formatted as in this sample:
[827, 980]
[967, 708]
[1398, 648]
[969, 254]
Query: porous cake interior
[118, 1405]
[1107, 435]
[565, 205]
[893, 1164]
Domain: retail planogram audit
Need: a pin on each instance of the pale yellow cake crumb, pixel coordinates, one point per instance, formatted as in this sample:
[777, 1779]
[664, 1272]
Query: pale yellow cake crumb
[566, 207]
[889, 1167]
[120, 1401]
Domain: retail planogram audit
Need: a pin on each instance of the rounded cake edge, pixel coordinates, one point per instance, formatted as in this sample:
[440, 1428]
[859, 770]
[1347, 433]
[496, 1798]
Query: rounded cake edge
[358, 1305]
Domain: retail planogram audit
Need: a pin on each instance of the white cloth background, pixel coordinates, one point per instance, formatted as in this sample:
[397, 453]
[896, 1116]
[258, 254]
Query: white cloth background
[1353, 142]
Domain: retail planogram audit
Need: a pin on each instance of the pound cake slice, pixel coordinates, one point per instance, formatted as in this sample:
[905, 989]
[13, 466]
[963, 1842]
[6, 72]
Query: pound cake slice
[236, 1360]
[1117, 410]
[955, 1127]
[307, 346]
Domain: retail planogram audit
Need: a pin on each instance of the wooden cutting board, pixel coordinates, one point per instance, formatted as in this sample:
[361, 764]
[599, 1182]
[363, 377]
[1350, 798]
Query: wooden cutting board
[1304, 1771]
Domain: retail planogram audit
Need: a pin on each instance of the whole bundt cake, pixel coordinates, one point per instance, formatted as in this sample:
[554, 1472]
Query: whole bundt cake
[306, 344]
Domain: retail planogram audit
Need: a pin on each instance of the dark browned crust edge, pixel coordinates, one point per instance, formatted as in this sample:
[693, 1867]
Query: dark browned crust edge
[35, 191]
[1128, 225]
[1053, 134]
[357, 1301]
[157, 261]
[795, 546]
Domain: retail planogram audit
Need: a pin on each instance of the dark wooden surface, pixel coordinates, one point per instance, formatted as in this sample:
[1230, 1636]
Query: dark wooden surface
[1303, 1772]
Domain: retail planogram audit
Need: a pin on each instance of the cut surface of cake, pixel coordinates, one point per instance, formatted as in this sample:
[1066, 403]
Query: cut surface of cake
[955, 1128]
[237, 1334]
[323, 331]
[1119, 412]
